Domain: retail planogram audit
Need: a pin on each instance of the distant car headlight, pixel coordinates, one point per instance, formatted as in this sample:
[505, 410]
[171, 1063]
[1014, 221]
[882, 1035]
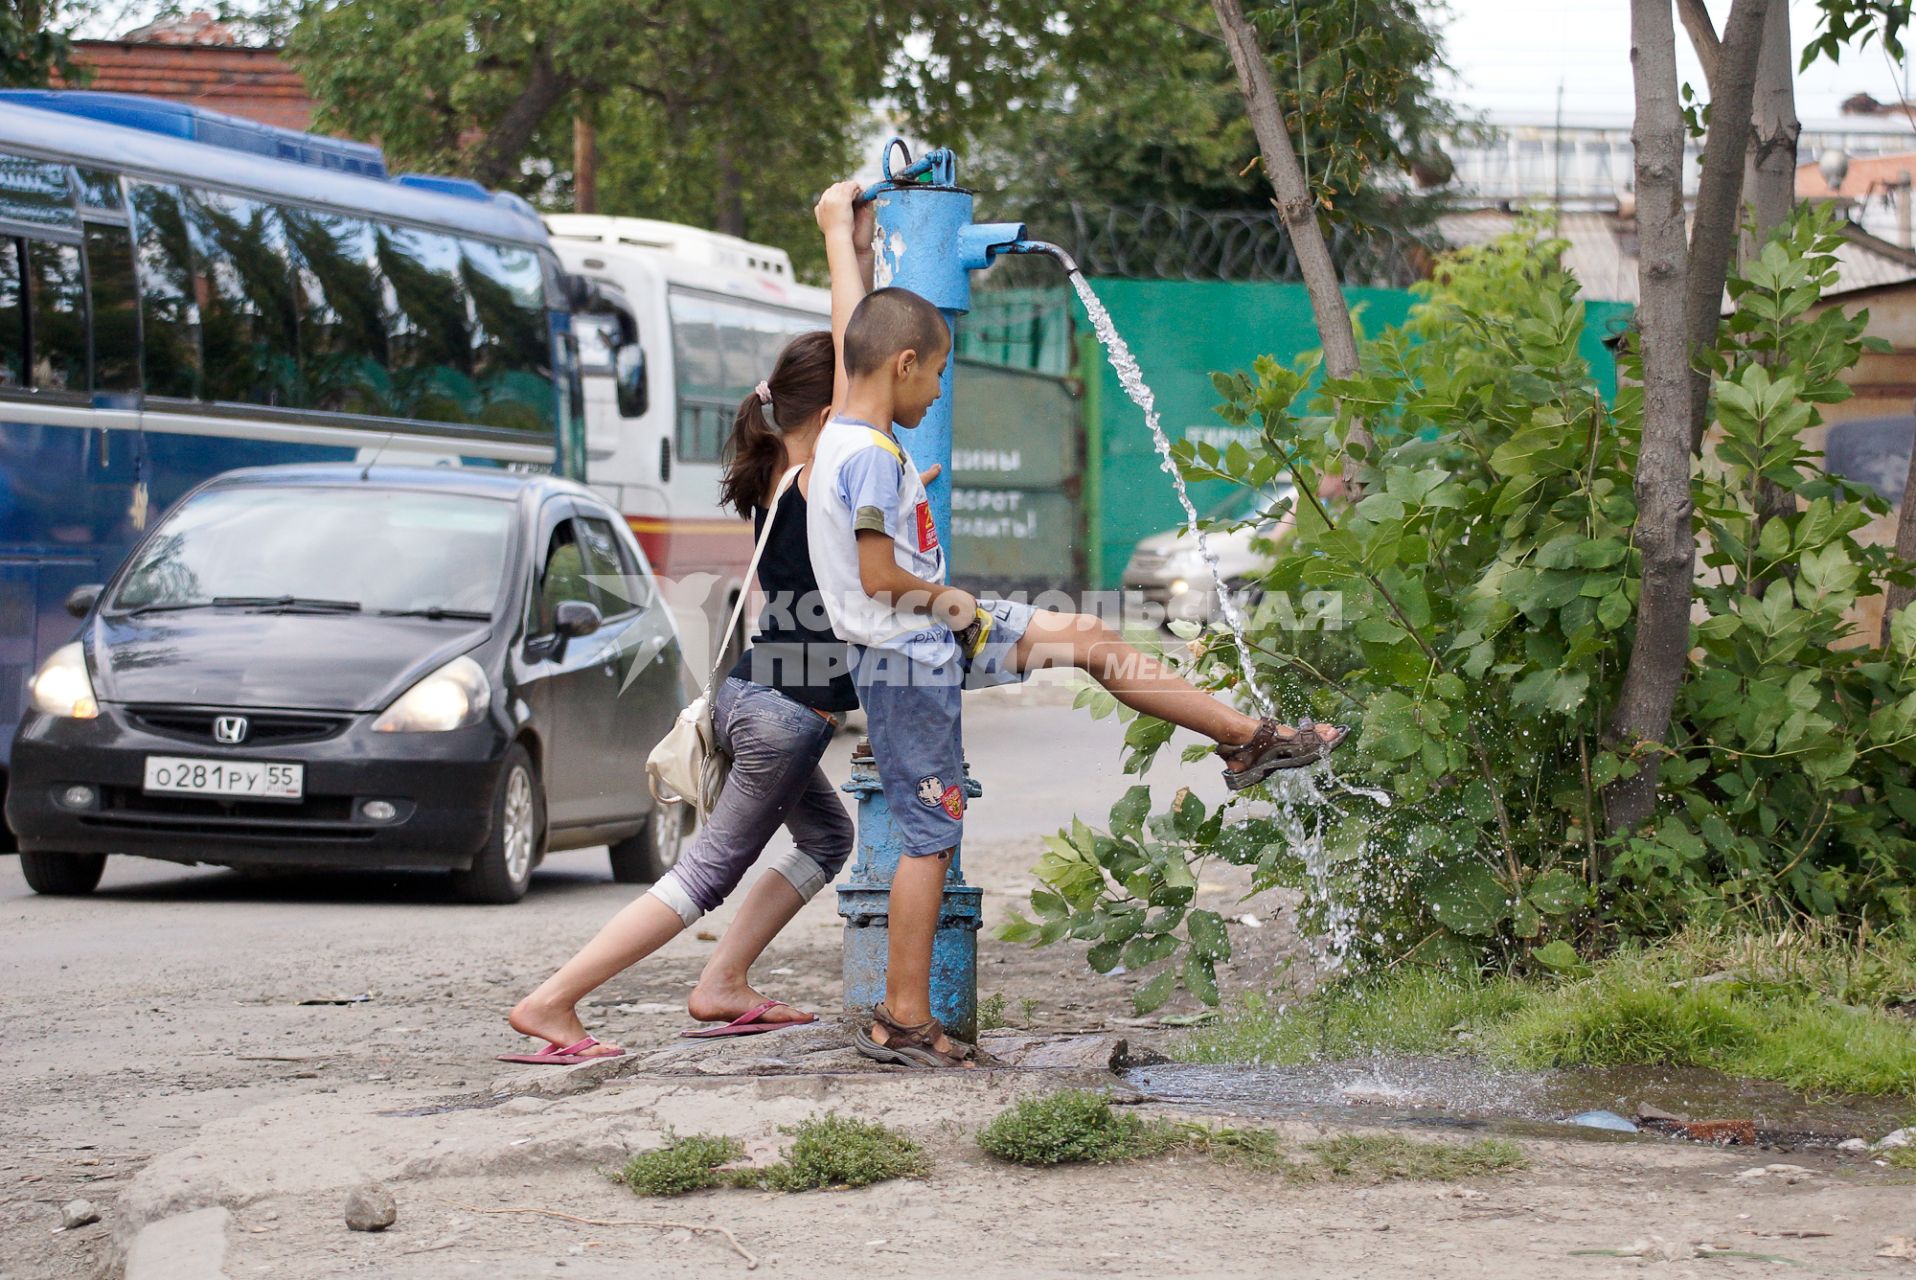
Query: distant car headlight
[61, 688]
[452, 697]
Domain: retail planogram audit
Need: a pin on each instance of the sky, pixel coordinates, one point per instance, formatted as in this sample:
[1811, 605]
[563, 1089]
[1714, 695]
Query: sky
[1511, 55]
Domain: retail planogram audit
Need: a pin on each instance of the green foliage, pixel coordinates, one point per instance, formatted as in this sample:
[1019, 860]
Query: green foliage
[1489, 580]
[1764, 1006]
[828, 1151]
[834, 1151]
[682, 1165]
[1146, 108]
[991, 1012]
[1386, 1157]
[36, 43]
[1417, 1012]
[1072, 1126]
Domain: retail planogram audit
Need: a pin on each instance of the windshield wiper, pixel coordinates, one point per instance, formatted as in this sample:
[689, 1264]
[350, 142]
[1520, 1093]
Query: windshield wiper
[287, 602]
[435, 613]
[137, 610]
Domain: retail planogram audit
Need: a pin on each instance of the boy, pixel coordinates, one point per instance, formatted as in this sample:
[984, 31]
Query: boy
[916, 643]
[881, 572]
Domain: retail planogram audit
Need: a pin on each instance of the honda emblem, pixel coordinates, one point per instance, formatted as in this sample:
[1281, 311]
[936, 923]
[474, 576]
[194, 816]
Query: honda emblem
[229, 729]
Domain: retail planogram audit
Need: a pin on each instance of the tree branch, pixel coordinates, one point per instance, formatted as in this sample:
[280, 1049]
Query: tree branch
[1703, 38]
[1719, 197]
[1295, 206]
[495, 158]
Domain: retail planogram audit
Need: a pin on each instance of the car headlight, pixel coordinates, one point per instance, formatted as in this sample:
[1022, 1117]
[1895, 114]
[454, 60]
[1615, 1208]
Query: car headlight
[452, 697]
[61, 688]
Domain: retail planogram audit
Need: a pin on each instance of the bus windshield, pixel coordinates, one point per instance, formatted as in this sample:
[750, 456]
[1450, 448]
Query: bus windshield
[371, 550]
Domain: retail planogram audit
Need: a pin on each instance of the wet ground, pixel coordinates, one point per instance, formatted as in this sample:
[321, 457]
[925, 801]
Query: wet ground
[1451, 1093]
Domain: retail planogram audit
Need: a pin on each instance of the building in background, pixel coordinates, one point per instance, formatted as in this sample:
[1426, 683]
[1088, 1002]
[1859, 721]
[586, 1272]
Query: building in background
[196, 61]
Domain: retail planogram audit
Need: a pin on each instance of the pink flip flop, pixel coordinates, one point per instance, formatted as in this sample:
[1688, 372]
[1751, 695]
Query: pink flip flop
[748, 1024]
[571, 1055]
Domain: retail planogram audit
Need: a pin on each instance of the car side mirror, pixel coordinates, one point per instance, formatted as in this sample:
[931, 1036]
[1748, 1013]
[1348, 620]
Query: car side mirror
[571, 620]
[80, 600]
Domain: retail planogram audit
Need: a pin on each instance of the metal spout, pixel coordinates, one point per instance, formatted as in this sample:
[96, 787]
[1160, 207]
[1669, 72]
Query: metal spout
[1046, 248]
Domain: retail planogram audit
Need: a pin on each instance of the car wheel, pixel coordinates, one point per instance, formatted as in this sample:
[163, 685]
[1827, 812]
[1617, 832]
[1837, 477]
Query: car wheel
[503, 868]
[63, 873]
[644, 857]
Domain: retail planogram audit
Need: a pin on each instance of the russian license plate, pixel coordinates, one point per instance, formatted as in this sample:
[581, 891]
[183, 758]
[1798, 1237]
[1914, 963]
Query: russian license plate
[255, 778]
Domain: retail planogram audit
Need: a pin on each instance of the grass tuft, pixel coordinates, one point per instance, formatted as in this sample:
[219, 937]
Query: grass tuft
[1383, 1157]
[991, 1012]
[1900, 1157]
[682, 1165]
[835, 1151]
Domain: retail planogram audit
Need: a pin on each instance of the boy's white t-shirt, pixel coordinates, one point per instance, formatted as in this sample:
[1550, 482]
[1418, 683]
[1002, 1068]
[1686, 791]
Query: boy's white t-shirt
[864, 479]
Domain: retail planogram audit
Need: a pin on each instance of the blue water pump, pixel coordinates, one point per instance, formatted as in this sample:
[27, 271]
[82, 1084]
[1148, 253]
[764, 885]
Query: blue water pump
[926, 242]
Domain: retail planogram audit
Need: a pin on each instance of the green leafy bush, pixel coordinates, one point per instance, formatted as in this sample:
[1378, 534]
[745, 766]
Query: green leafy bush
[835, 1151]
[681, 1166]
[1488, 580]
[1072, 1126]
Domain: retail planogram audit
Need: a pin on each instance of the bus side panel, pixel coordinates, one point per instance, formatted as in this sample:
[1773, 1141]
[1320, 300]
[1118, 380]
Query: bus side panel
[68, 507]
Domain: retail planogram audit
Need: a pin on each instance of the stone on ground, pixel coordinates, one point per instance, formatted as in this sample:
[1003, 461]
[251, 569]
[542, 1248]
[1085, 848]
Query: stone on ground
[371, 1208]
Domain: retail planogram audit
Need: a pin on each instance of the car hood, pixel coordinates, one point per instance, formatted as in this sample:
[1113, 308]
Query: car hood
[230, 658]
[1229, 545]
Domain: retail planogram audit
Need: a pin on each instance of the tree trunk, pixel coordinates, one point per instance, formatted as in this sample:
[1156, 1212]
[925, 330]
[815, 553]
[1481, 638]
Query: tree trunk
[1719, 197]
[585, 166]
[1770, 177]
[1703, 37]
[728, 204]
[1770, 172]
[496, 158]
[1663, 531]
[1295, 206]
[1898, 598]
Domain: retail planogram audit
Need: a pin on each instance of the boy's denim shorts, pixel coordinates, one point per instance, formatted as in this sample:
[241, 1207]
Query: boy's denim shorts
[913, 712]
[992, 666]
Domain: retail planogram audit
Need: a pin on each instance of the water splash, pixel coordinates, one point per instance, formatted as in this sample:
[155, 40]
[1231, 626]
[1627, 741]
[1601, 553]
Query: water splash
[1131, 378]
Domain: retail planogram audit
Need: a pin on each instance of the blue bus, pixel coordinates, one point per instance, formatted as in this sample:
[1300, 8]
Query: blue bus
[183, 292]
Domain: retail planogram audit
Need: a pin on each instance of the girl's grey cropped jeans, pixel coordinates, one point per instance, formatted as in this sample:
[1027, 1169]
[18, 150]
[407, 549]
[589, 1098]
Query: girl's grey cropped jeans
[775, 744]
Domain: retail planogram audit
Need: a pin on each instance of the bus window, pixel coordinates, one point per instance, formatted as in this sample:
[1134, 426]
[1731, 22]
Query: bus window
[342, 313]
[512, 348]
[703, 414]
[429, 326]
[36, 192]
[99, 189]
[115, 303]
[248, 323]
[169, 316]
[13, 329]
[56, 292]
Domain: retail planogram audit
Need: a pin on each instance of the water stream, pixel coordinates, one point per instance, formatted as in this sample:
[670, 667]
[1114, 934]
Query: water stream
[1131, 378]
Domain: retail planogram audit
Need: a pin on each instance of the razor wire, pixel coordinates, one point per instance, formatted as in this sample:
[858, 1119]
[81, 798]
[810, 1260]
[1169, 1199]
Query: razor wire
[1179, 242]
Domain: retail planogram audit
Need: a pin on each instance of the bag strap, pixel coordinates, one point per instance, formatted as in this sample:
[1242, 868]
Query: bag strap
[751, 573]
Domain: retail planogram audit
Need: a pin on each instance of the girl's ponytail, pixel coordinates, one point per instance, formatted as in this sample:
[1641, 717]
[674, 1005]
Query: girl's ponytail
[799, 390]
[752, 458]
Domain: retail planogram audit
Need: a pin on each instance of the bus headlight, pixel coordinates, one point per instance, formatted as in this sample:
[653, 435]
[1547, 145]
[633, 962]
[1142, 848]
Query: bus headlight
[61, 688]
[452, 697]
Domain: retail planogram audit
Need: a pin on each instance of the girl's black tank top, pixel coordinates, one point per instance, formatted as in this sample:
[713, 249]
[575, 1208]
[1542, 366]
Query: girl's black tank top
[794, 651]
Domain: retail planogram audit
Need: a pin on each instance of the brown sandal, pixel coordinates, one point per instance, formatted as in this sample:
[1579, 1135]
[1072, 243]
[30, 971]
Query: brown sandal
[911, 1046]
[1275, 746]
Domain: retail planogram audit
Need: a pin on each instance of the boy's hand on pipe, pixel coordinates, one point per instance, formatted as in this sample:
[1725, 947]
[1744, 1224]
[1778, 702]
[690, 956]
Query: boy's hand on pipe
[930, 473]
[864, 226]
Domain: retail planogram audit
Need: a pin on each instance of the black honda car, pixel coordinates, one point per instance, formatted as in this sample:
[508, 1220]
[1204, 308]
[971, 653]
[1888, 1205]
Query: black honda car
[366, 668]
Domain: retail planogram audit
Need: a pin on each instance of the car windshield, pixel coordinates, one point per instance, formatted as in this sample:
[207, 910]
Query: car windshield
[1243, 502]
[370, 550]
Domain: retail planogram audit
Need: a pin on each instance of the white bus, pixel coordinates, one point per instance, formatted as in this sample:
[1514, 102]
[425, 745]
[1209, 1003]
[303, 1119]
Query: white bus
[711, 312]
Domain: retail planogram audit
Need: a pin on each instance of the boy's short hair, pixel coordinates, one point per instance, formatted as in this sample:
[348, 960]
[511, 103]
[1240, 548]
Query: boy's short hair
[890, 321]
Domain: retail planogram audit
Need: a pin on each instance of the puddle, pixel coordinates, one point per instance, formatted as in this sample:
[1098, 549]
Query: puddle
[1460, 1093]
